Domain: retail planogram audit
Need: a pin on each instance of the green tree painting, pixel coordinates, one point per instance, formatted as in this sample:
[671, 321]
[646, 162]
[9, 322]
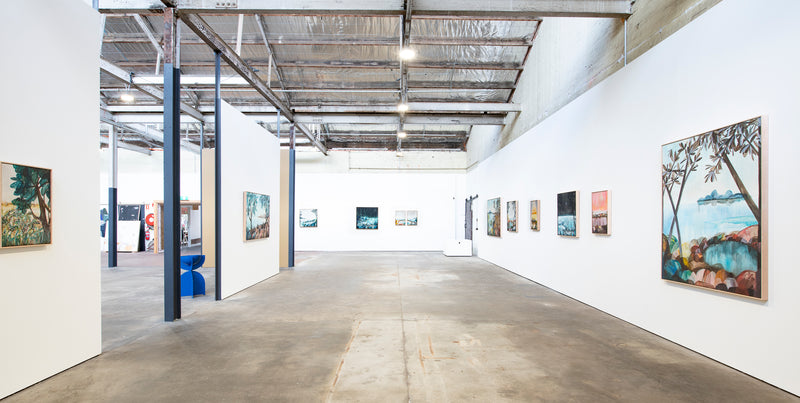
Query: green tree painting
[711, 234]
[25, 205]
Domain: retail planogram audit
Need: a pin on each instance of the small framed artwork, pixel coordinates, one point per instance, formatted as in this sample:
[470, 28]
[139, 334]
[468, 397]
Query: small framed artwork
[25, 206]
[568, 214]
[256, 216]
[366, 218]
[601, 212]
[405, 218]
[534, 215]
[308, 218]
[493, 217]
[511, 216]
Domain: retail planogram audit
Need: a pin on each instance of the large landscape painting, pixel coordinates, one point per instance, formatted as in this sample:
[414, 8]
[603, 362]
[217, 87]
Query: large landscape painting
[711, 210]
[256, 216]
[493, 217]
[25, 205]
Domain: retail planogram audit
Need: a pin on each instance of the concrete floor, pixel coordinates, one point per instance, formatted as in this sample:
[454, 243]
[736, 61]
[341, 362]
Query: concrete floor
[396, 327]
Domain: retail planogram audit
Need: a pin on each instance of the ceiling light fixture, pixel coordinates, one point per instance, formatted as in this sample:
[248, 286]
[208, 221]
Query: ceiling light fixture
[407, 53]
[402, 107]
[126, 97]
[402, 135]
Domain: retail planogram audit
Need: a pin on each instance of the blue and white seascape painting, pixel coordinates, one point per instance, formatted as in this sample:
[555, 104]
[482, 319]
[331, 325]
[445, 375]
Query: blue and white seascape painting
[308, 218]
[366, 218]
[711, 210]
[567, 210]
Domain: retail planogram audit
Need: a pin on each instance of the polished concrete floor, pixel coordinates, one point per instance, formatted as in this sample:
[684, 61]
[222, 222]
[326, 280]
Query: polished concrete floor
[391, 327]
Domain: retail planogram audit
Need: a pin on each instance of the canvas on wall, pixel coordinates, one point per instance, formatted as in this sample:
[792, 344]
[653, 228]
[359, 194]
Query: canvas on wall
[256, 216]
[601, 213]
[535, 215]
[511, 216]
[308, 218]
[568, 216]
[405, 218]
[493, 217]
[366, 218]
[712, 193]
[25, 205]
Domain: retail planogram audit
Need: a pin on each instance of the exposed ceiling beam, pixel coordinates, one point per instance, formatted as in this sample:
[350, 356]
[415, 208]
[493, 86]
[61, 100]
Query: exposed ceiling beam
[123, 144]
[146, 132]
[270, 52]
[416, 107]
[204, 31]
[125, 76]
[360, 64]
[541, 8]
[481, 119]
[152, 38]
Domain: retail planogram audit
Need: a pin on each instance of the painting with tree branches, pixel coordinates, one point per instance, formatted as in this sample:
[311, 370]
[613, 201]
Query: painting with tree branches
[711, 210]
[256, 216]
[24, 205]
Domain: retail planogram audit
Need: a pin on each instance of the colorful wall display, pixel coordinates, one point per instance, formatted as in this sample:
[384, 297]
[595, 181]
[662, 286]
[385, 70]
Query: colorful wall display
[308, 218]
[366, 218]
[256, 216]
[405, 218]
[511, 216]
[601, 212]
[493, 217]
[711, 210]
[534, 215]
[568, 214]
[25, 205]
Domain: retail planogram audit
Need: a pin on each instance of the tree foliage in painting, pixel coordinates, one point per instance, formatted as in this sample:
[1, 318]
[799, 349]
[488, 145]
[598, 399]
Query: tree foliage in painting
[743, 138]
[675, 171]
[29, 222]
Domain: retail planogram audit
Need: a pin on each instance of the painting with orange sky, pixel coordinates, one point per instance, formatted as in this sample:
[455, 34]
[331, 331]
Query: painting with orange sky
[600, 213]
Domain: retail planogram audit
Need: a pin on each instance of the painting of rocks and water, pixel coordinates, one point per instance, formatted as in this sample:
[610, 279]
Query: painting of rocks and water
[256, 216]
[711, 210]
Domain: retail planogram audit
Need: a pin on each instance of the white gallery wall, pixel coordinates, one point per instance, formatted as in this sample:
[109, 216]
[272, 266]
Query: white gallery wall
[140, 178]
[437, 197]
[737, 61]
[50, 303]
[250, 162]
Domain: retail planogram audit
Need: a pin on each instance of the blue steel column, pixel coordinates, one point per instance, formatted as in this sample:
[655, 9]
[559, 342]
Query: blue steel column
[217, 181]
[112, 198]
[172, 168]
[291, 196]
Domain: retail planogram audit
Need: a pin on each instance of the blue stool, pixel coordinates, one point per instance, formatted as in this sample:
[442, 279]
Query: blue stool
[192, 282]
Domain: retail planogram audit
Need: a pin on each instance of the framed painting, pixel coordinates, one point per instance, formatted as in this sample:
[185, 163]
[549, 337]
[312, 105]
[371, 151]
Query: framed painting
[601, 212]
[308, 218]
[400, 218]
[493, 217]
[412, 218]
[534, 215]
[25, 205]
[366, 218]
[511, 216]
[712, 191]
[405, 218]
[568, 214]
[256, 216]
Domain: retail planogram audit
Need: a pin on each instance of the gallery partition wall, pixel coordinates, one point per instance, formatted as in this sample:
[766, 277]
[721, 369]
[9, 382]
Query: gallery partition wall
[51, 298]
